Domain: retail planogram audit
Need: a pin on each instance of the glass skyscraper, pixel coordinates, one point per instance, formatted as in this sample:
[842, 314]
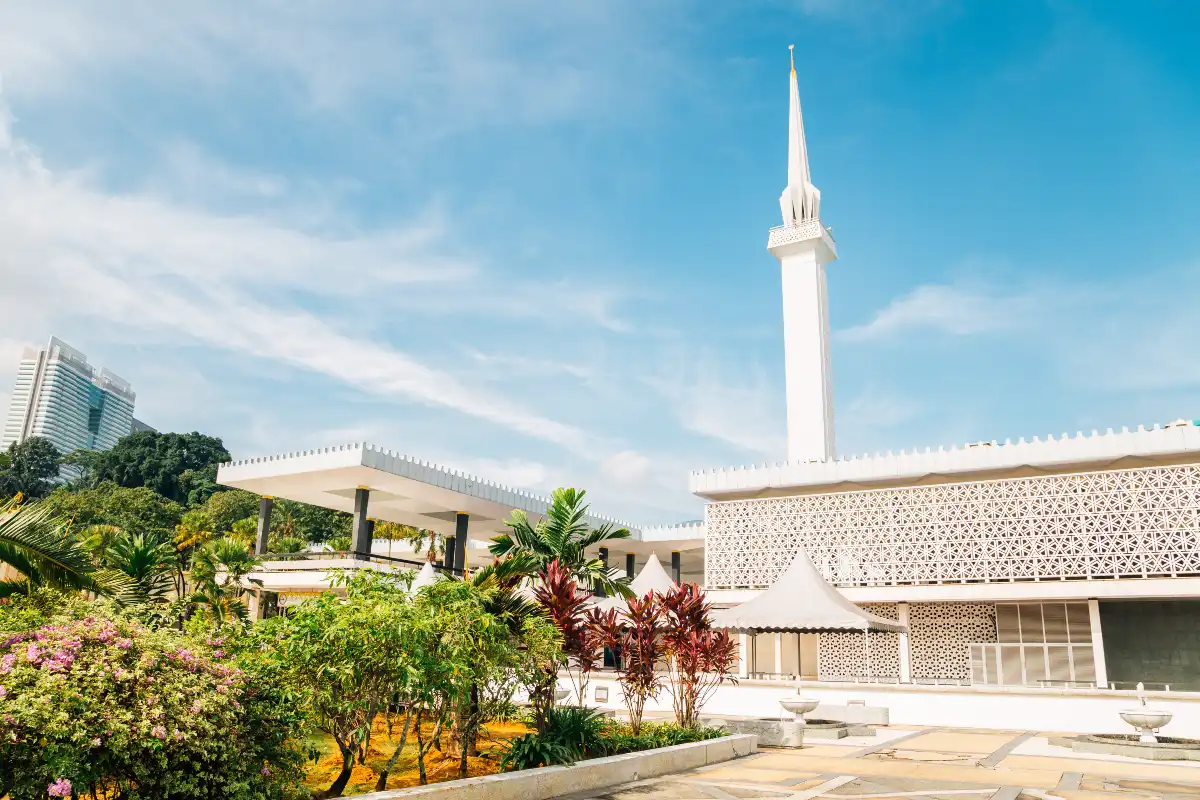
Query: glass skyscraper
[60, 397]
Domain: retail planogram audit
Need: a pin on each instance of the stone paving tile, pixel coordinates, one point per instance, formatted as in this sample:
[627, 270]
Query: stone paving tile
[1116, 769]
[939, 765]
[955, 742]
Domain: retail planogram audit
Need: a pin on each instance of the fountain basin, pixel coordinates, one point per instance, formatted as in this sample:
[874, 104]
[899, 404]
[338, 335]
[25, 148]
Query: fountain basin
[1146, 721]
[1166, 748]
[799, 706]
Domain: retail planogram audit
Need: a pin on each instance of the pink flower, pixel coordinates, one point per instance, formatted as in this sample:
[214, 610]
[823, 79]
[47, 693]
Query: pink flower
[96, 742]
[60, 788]
[6, 663]
[158, 732]
[196, 708]
[3, 693]
[124, 644]
[266, 770]
[32, 652]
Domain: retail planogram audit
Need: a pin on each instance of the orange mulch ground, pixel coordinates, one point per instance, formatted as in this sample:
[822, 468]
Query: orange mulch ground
[441, 766]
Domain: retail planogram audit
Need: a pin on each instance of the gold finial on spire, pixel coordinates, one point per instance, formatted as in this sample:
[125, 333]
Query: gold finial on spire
[792, 56]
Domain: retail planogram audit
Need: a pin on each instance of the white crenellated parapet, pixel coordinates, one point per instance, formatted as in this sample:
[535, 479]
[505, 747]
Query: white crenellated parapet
[1177, 438]
[688, 531]
[366, 455]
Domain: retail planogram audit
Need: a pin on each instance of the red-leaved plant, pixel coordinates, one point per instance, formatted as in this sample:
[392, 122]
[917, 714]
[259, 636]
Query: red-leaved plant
[559, 596]
[699, 659]
[637, 635]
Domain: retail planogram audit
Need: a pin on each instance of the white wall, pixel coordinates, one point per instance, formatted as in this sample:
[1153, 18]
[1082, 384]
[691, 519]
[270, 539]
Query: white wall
[1001, 708]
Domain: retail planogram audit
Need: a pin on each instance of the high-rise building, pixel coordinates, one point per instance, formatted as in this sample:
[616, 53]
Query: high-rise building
[61, 397]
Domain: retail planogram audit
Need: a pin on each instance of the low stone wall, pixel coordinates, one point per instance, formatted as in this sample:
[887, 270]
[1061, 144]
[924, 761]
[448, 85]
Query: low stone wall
[596, 773]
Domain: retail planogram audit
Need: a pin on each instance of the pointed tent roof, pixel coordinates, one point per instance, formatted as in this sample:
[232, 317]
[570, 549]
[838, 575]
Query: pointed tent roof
[800, 201]
[801, 601]
[652, 578]
[427, 576]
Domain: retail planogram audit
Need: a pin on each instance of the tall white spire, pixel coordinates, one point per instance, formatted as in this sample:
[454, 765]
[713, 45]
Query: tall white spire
[804, 246]
[800, 201]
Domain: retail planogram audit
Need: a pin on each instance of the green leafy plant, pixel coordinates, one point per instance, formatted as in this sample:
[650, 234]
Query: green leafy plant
[36, 543]
[580, 730]
[564, 535]
[533, 750]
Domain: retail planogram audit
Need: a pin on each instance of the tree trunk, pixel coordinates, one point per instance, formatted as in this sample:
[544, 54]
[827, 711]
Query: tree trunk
[381, 784]
[420, 751]
[339, 783]
[473, 734]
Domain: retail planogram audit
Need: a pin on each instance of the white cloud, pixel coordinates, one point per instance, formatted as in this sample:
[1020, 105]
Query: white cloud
[948, 309]
[627, 467]
[444, 66]
[729, 404]
[135, 261]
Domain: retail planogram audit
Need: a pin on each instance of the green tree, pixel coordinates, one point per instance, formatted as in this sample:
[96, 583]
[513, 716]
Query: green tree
[227, 507]
[158, 461]
[31, 469]
[564, 535]
[307, 522]
[347, 658]
[38, 545]
[218, 569]
[136, 510]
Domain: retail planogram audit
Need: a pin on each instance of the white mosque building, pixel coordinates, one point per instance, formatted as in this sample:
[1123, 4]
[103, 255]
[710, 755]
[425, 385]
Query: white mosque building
[1034, 582]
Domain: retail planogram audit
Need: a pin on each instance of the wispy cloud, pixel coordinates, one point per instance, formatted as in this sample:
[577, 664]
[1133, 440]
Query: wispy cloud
[949, 309]
[442, 66]
[137, 261]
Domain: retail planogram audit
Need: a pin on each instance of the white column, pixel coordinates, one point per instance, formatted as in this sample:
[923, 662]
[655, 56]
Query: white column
[779, 654]
[905, 653]
[743, 655]
[1098, 644]
[806, 350]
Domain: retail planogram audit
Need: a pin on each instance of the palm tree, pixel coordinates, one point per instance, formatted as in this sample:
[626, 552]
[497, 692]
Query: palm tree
[148, 561]
[565, 535]
[38, 546]
[217, 573]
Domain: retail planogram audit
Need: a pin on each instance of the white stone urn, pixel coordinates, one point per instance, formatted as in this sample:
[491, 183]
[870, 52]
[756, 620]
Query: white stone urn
[1147, 721]
[799, 706]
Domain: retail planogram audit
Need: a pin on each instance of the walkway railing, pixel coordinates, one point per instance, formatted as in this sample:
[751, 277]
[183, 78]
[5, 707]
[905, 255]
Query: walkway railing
[330, 555]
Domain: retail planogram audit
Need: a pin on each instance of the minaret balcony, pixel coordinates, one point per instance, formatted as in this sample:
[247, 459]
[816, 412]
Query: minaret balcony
[808, 230]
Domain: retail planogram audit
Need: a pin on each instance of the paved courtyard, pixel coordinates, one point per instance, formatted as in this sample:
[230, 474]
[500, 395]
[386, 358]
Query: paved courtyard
[931, 763]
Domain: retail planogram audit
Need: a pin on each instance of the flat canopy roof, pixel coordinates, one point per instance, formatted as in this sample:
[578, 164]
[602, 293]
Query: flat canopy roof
[409, 491]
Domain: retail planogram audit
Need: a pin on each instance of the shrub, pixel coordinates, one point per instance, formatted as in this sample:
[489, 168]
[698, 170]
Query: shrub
[533, 750]
[94, 704]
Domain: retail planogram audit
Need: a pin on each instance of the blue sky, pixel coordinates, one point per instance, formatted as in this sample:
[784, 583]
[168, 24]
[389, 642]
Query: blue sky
[527, 239]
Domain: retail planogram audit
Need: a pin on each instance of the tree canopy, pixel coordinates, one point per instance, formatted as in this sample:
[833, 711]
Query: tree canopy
[29, 467]
[158, 461]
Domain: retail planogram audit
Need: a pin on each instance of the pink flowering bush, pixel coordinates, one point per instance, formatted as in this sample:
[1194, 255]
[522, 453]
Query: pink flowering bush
[96, 705]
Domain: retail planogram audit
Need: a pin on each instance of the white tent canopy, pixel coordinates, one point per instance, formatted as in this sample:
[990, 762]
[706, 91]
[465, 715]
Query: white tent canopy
[652, 578]
[426, 577]
[801, 601]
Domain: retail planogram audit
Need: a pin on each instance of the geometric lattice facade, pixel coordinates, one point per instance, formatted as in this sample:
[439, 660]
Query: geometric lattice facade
[940, 636]
[843, 654]
[1128, 523]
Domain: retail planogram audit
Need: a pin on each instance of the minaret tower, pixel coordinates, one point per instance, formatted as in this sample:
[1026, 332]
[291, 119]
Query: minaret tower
[804, 246]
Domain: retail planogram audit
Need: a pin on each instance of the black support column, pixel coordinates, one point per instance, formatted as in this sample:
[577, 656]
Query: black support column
[265, 504]
[604, 561]
[630, 565]
[361, 529]
[676, 571]
[460, 540]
